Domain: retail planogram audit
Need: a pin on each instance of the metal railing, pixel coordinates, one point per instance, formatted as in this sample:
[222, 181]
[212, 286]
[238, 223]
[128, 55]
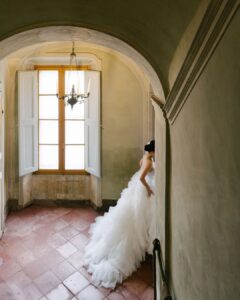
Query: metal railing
[161, 290]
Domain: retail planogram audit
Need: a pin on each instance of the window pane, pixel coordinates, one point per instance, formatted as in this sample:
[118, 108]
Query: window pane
[48, 107]
[74, 157]
[48, 132]
[74, 132]
[48, 157]
[75, 78]
[48, 82]
[76, 113]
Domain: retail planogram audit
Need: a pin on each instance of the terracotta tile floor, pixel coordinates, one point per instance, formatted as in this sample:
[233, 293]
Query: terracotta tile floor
[41, 258]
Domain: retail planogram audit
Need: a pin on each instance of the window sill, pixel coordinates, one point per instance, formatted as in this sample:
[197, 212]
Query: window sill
[61, 172]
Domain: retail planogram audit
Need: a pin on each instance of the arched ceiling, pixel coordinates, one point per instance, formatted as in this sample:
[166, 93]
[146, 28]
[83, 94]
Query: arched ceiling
[153, 28]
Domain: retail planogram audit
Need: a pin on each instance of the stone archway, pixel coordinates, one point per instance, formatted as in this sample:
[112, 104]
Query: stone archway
[66, 33]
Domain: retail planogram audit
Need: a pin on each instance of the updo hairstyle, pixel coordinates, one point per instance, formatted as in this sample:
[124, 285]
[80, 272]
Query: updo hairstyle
[150, 147]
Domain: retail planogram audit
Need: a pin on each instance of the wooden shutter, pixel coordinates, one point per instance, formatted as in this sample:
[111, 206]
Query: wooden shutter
[92, 123]
[28, 121]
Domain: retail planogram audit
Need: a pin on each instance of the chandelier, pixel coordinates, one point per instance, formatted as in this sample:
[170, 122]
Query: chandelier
[72, 96]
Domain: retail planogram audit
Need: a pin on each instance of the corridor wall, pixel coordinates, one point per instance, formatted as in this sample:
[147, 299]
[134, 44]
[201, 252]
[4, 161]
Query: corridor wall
[205, 172]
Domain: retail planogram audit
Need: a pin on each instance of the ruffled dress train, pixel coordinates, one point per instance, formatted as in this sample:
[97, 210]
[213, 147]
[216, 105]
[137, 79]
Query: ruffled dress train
[120, 239]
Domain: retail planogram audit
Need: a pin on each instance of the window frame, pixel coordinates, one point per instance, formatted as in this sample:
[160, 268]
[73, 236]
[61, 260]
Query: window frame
[61, 120]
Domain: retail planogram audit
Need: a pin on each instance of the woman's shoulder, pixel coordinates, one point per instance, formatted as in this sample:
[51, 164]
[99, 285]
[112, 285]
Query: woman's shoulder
[147, 161]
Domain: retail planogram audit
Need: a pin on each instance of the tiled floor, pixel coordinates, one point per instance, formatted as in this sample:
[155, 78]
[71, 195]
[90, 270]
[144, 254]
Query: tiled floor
[41, 258]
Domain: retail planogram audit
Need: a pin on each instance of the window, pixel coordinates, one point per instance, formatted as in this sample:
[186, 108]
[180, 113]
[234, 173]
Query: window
[48, 120]
[61, 128]
[53, 138]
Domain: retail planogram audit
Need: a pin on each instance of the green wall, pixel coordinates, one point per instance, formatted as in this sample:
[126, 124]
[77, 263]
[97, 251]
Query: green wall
[205, 189]
[154, 28]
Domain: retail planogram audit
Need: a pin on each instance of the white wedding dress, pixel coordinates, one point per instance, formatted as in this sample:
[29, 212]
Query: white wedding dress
[120, 238]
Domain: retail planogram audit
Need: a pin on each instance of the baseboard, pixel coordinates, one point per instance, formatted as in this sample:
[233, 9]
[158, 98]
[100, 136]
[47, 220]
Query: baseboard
[12, 204]
[62, 202]
[107, 203]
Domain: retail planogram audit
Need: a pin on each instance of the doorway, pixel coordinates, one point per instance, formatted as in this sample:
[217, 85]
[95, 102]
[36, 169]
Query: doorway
[139, 67]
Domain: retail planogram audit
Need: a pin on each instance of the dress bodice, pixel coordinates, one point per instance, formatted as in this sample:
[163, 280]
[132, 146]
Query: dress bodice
[150, 178]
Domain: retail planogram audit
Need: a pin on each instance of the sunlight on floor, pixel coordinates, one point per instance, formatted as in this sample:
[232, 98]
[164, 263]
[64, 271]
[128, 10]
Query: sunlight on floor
[41, 258]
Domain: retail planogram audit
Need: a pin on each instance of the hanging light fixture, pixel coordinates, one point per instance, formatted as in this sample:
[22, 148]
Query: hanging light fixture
[73, 95]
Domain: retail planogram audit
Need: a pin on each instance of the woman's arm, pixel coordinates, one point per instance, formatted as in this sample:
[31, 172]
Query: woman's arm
[146, 167]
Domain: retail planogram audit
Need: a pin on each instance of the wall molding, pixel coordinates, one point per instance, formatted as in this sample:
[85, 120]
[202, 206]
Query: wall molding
[213, 26]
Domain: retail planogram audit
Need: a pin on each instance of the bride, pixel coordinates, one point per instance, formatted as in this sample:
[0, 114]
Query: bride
[120, 238]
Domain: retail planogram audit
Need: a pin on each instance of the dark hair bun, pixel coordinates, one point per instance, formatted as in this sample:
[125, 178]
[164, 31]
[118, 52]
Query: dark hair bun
[150, 147]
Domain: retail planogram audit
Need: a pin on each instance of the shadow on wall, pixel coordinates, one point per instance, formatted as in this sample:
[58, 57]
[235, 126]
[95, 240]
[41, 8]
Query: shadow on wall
[119, 160]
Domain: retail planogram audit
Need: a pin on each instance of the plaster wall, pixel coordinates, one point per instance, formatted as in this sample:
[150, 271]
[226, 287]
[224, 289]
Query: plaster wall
[205, 172]
[3, 73]
[125, 95]
[153, 29]
[11, 130]
[185, 42]
[122, 119]
[3, 181]
[160, 179]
